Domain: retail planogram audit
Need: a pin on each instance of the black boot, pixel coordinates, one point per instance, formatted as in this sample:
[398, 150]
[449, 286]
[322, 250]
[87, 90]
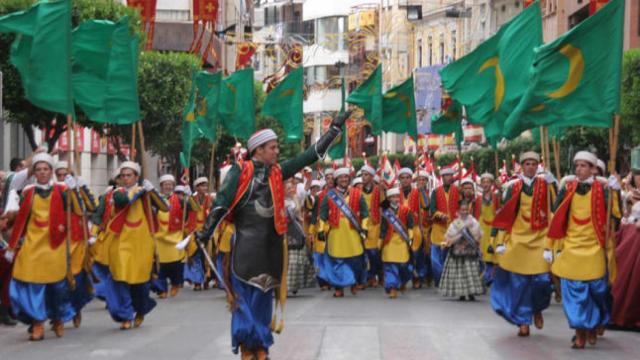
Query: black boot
[5, 317]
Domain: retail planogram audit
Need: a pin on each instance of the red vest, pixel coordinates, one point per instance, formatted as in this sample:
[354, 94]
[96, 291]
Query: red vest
[354, 205]
[57, 218]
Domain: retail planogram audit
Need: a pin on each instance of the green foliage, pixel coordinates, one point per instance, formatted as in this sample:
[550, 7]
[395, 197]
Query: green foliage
[21, 111]
[164, 83]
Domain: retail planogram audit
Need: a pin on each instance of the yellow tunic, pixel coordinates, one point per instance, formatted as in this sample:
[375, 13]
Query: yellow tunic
[582, 257]
[486, 219]
[396, 250]
[37, 262]
[373, 238]
[78, 249]
[524, 247]
[226, 230]
[417, 234]
[438, 229]
[100, 249]
[343, 241]
[167, 241]
[131, 253]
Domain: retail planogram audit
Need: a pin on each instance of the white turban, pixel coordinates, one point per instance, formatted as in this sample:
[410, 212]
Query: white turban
[393, 191]
[61, 165]
[342, 171]
[166, 177]
[42, 157]
[529, 155]
[130, 165]
[261, 137]
[405, 171]
[586, 156]
[368, 169]
[200, 180]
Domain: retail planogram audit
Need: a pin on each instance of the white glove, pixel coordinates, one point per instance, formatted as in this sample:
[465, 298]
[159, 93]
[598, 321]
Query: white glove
[500, 249]
[71, 183]
[92, 240]
[13, 201]
[548, 256]
[8, 255]
[183, 244]
[82, 182]
[613, 183]
[549, 178]
[147, 185]
[187, 191]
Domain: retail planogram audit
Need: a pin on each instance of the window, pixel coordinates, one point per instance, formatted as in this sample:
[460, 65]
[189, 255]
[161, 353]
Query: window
[517, 4]
[441, 58]
[419, 54]
[483, 10]
[430, 51]
[454, 44]
[330, 32]
[504, 8]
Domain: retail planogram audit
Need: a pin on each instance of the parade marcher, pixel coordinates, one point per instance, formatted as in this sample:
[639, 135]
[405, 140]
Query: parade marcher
[6, 316]
[522, 285]
[343, 225]
[396, 232]
[319, 245]
[195, 268]
[100, 240]
[300, 270]
[83, 292]
[625, 312]
[579, 223]
[39, 287]
[443, 209]
[488, 208]
[373, 195]
[131, 254]
[461, 273]
[253, 194]
[410, 197]
[172, 226]
[424, 225]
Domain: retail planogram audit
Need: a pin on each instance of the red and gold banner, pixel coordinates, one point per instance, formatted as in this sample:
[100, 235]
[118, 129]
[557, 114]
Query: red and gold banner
[595, 5]
[244, 52]
[95, 142]
[147, 10]
[205, 12]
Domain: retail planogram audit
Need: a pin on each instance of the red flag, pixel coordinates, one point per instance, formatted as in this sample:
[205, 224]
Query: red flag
[528, 2]
[504, 173]
[387, 172]
[244, 52]
[595, 5]
[147, 15]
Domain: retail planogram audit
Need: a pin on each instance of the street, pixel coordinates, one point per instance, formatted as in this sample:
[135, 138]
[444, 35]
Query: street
[418, 325]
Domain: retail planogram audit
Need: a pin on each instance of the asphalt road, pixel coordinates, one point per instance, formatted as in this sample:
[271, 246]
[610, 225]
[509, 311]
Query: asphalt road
[418, 325]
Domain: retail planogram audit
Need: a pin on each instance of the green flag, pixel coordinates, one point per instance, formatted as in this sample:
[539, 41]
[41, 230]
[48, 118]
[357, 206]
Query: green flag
[284, 103]
[237, 108]
[105, 71]
[42, 53]
[200, 114]
[450, 121]
[399, 110]
[575, 80]
[368, 96]
[490, 80]
[339, 146]
[208, 93]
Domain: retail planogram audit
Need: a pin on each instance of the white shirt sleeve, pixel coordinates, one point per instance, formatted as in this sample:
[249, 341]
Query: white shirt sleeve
[19, 180]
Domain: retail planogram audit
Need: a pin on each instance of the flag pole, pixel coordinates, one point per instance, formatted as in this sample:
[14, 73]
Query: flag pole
[148, 208]
[133, 141]
[556, 156]
[212, 185]
[613, 152]
[69, 273]
[497, 162]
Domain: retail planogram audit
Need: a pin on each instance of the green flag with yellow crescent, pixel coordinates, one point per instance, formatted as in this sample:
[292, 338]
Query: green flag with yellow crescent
[284, 103]
[575, 80]
[237, 107]
[368, 96]
[399, 110]
[41, 52]
[490, 80]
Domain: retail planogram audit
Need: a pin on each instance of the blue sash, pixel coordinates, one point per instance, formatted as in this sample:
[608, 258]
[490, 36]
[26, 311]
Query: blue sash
[425, 197]
[345, 209]
[397, 225]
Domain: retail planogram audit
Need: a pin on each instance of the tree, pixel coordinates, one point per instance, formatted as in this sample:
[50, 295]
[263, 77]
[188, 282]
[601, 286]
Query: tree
[21, 111]
[164, 84]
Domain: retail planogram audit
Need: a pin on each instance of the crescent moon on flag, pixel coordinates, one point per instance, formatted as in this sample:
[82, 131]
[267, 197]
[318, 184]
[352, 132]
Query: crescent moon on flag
[576, 69]
[499, 93]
